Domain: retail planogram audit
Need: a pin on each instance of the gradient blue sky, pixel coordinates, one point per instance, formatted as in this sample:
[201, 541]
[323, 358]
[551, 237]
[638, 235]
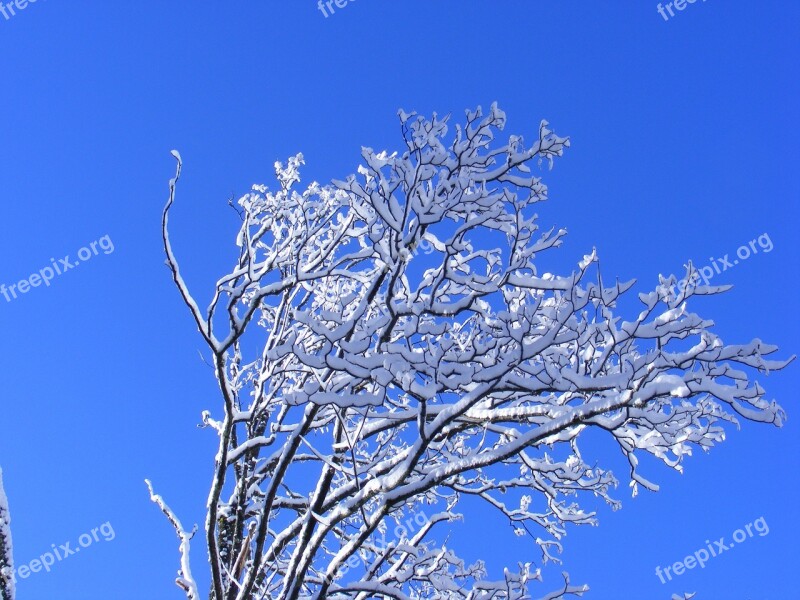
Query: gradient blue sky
[685, 145]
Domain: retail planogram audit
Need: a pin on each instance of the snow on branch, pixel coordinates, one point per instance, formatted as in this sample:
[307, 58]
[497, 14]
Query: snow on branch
[185, 580]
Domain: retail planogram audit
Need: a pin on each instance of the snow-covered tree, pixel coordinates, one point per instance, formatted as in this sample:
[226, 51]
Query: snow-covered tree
[6, 548]
[365, 383]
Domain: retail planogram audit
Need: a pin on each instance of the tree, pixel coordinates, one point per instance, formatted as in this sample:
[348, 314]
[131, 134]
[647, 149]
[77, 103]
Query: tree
[365, 382]
[6, 548]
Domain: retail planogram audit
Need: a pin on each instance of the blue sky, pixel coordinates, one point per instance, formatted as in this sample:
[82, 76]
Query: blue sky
[685, 145]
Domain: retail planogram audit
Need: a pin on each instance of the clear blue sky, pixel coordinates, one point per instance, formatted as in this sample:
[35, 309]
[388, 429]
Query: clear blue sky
[685, 145]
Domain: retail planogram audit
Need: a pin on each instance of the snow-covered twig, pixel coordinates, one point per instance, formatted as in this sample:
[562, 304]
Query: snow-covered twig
[185, 580]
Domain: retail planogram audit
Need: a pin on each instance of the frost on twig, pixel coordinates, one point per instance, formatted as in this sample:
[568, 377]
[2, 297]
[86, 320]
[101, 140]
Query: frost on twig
[392, 343]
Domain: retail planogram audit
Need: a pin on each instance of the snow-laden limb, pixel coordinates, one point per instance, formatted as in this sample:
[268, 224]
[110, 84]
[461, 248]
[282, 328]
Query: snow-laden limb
[185, 581]
[7, 588]
[364, 382]
[568, 590]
